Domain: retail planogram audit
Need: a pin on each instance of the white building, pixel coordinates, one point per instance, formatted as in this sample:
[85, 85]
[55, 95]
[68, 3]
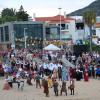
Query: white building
[72, 28]
[83, 32]
[67, 26]
[96, 38]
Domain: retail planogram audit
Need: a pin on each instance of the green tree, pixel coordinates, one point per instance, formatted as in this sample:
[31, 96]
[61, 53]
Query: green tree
[8, 15]
[89, 18]
[22, 15]
[8, 12]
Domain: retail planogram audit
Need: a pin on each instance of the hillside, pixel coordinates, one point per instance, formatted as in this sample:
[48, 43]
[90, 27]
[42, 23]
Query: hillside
[93, 6]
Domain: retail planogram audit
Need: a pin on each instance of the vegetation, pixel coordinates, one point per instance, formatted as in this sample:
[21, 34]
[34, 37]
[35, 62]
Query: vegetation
[22, 15]
[96, 48]
[95, 6]
[89, 18]
[10, 14]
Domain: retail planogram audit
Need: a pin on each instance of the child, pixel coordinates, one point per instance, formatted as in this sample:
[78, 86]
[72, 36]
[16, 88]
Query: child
[55, 85]
[49, 82]
[63, 88]
[71, 87]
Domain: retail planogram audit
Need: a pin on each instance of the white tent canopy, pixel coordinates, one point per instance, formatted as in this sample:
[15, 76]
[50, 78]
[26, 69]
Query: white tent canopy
[51, 47]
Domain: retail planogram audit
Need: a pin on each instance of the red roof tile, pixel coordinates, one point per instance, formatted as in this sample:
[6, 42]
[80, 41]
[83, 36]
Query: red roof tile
[43, 19]
[54, 19]
[97, 25]
[54, 22]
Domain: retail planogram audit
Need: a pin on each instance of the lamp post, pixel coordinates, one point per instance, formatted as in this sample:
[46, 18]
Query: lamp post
[60, 20]
[13, 39]
[25, 37]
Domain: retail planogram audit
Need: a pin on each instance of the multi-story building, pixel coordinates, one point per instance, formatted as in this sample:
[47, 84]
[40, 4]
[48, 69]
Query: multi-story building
[52, 33]
[66, 24]
[96, 36]
[83, 31]
[21, 34]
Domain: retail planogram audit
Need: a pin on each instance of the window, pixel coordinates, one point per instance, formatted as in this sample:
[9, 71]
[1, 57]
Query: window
[6, 29]
[98, 39]
[93, 32]
[62, 26]
[1, 33]
[6, 33]
[79, 26]
[47, 33]
[67, 26]
[34, 33]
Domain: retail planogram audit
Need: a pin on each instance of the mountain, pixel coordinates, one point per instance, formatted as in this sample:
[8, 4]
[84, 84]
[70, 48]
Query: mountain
[95, 6]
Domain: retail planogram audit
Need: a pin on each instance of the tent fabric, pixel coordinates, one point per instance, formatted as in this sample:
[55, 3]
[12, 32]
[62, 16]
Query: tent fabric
[67, 63]
[51, 47]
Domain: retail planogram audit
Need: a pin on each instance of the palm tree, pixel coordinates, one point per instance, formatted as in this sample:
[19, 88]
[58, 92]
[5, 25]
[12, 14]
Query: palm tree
[89, 18]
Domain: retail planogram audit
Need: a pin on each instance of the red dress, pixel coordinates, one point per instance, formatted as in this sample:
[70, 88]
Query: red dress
[86, 77]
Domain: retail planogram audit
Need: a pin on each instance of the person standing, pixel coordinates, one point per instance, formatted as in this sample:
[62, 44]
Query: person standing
[55, 85]
[72, 86]
[50, 81]
[37, 78]
[29, 78]
[60, 72]
[64, 73]
[86, 76]
[63, 88]
[46, 89]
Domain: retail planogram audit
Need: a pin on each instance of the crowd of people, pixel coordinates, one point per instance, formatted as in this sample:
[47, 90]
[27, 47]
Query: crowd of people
[19, 65]
[87, 62]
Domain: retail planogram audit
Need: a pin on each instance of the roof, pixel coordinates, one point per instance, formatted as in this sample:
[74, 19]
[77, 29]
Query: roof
[43, 19]
[51, 47]
[54, 19]
[20, 22]
[53, 22]
[97, 25]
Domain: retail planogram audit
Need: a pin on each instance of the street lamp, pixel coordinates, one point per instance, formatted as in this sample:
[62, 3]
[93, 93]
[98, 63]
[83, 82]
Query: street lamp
[25, 37]
[60, 20]
[13, 39]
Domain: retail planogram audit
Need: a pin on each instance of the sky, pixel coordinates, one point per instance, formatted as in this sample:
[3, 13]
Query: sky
[44, 8]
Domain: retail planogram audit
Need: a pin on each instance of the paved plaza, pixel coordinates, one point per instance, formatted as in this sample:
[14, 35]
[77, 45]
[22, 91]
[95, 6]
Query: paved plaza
[83, 91]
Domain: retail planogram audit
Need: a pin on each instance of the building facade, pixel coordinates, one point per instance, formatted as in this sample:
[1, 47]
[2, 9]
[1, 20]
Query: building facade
[96, 36]
[66, 25]
[52, 33]
[83, 31]
[19, 34]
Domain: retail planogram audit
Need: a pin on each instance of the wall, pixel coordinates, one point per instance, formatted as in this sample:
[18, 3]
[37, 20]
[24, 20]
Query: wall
[72, 30]
[98, 32]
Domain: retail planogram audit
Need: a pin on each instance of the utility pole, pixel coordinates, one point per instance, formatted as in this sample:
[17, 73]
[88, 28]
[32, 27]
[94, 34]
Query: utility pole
[60, 20]
[25, 37]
